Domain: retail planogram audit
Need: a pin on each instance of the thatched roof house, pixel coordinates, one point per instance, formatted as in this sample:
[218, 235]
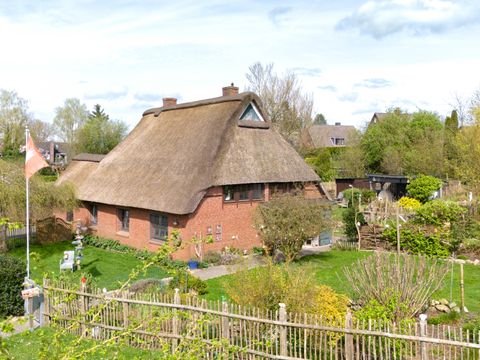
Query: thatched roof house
[177, 152]
[320, 136]
[194, 166]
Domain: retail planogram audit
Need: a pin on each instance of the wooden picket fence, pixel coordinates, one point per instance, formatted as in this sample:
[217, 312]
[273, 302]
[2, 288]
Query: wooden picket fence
[151, 321]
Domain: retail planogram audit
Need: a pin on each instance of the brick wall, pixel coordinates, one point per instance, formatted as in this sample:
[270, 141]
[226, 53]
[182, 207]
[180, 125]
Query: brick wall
[230, 223]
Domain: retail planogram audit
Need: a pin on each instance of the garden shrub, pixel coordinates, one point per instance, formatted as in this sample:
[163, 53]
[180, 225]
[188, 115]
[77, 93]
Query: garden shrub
[409, 203]
[329, 304]
[212, 257]
[439, 213]
[265, 287]
[471, 246]
[12, 275]
[423, 187]
[416, 241]
[186, 283]
[395, 287]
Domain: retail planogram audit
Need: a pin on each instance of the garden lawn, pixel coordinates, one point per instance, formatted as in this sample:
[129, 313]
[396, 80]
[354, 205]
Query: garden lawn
[107, 268]
[327, 268]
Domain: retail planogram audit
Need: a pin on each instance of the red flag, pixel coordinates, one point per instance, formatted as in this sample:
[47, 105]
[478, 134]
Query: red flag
[34, 161]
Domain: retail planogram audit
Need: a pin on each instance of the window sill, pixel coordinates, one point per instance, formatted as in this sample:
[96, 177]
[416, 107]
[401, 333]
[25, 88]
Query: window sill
[123, 233]
[157, 242]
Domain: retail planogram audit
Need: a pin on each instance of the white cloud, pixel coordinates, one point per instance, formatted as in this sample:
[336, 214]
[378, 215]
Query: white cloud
[381, 18]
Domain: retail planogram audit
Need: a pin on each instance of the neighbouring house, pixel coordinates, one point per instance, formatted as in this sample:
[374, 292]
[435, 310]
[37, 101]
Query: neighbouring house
[387, 187]
[55, 153]
[322, 136]
[377, 117]
[200, 168]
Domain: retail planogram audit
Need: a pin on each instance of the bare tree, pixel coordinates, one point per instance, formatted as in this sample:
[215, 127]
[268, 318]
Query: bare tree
[287, 106]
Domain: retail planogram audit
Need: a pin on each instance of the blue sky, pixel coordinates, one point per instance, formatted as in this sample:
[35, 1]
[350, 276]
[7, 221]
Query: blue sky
[354, 57]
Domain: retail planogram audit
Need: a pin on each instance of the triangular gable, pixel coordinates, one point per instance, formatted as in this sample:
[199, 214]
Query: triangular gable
[251, 113]
[252, 118]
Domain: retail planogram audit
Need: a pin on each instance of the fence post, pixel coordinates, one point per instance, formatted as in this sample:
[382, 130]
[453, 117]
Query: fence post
[175, 320]
[45, 310]
[83, 304]
[348, 337]
[423, 333]
[225, 321]
[125, 308]
[282, 316]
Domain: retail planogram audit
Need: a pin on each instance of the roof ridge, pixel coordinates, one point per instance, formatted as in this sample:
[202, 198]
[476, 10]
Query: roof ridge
[216, 100]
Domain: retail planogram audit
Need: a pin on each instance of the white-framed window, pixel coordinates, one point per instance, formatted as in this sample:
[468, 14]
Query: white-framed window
[158, 226]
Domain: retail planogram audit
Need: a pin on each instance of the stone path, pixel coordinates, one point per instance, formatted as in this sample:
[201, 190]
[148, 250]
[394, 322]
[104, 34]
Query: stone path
[248, 262]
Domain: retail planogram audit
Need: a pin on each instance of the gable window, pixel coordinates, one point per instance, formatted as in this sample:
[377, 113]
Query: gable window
[251, 113]
[124, 219]
[337, 141]
[158, 226]
[94, 214]
[69, 216]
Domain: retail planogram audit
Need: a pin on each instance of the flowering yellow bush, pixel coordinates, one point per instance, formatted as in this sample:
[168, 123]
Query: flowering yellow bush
[409, 203]
[330, 305]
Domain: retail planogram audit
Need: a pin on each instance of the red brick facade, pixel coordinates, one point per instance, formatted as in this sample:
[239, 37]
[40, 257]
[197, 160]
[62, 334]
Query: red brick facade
[230, 223]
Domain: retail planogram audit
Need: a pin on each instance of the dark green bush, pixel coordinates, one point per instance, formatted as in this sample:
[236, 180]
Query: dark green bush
[415, 241]
[349, 220]
[12, 275]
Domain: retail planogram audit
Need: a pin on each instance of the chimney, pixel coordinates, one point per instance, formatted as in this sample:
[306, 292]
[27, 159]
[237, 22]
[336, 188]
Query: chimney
[169, 102]
[230, 90]
[338, 124]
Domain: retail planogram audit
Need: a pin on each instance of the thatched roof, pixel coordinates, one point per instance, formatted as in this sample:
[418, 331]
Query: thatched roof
[89, 157]
[176, 153]
[318, 136]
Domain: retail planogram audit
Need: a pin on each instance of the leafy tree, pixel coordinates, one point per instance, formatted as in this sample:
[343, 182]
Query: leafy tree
[423, 187]
[466, 163]
[40, 130]
[289, 109]
[100, 134]
[350, 161]
[287, 221]
[69, 118]
[44, 197]
[319, 120]
[13, 119]
[322, 161]
[404, 143]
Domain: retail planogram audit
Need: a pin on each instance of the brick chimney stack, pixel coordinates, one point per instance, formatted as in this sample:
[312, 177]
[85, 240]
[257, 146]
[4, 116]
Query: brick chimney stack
[230, 90]
[168, 102]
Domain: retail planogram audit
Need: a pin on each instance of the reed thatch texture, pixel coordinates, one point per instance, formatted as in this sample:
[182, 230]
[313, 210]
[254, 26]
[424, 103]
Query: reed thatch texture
[175, 154]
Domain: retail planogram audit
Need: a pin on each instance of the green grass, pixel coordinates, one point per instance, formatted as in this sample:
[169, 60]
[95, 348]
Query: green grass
[23, 346]
[107, 268]
[328, 270]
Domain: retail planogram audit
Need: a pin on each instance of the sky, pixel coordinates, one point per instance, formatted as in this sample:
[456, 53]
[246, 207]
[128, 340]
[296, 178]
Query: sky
[354, 57]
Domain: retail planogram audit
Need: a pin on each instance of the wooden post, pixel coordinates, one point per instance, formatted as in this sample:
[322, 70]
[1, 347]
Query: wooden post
[46, 306]
[83, 305]
[282, 316]
[348, 337]
[175, 320]
[125, 308]
[225, 321]
[398, 230]
[423, 333]
[462, 289]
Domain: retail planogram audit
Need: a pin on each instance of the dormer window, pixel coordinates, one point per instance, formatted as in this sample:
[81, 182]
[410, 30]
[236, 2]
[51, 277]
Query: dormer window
[251, 113]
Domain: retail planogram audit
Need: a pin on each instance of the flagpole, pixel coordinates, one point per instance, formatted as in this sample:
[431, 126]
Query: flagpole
[27, 207]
